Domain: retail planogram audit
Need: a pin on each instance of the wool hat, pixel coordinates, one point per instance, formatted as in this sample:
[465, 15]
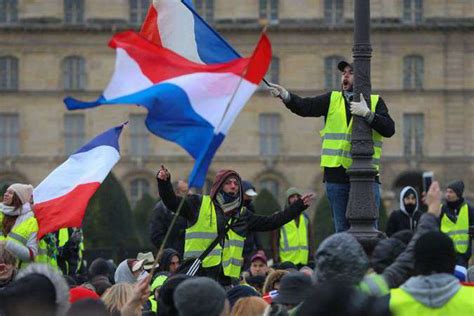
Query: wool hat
[23, 191]
[294, 288]
[240, 291]
[199, 296]
[434, 253]
[80, 293]
[457, 186]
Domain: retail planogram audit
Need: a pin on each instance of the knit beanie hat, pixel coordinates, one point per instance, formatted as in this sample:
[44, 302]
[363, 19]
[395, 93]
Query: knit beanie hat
[458, 187]
[199, 296]
[81, 293]
[434, 253]
[240, 291]
[23, 191]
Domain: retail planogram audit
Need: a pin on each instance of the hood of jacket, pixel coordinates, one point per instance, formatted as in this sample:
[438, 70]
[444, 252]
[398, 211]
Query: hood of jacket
[340, 258]
[433, 291]
[221, 176]
[165, 260]
[123, 274]
[290, 192]
[402, 205]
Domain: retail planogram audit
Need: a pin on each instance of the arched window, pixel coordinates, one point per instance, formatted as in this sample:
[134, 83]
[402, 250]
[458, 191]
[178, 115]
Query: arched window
[138, 188]
[413, 72]
[332, 76]
[74, 73]
[9, 134]
[272, 185]
[8, 73]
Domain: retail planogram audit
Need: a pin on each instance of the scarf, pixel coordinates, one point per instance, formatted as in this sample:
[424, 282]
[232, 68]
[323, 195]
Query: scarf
[12, 211]
[227, 202]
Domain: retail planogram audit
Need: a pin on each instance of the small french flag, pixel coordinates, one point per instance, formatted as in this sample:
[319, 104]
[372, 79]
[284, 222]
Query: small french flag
[61, 199]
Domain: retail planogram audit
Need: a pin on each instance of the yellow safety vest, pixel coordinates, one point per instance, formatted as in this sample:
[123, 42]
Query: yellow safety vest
[336, 135]
[462, 303]
[459, 231]
[374, 284]
[294, 241]
[20, 233]
[63, 238]
[202, 234]
[42, 256]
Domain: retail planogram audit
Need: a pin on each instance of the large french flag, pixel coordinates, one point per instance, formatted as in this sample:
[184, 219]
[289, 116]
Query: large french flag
[175, 24]
[188, 103]
[61, 199]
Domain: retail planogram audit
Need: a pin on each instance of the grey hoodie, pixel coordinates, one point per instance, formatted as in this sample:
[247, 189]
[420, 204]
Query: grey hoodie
[433, 291]
[123, 274]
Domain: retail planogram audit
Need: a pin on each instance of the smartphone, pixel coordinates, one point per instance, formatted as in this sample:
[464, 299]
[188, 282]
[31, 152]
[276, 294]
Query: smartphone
[427, 180]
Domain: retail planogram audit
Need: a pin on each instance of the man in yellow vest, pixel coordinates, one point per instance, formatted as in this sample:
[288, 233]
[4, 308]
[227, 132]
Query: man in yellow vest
[221, 216]
[434, 290]
[456, 218]
[337, 109]
[292, 242]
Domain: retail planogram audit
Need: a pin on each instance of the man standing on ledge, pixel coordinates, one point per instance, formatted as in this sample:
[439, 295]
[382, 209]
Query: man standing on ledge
[337, 108]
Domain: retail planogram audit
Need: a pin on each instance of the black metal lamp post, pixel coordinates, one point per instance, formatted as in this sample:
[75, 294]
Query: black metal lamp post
[361, 208]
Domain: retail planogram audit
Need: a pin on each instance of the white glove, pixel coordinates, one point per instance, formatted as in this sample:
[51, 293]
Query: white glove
[279, 91]
[360, 108]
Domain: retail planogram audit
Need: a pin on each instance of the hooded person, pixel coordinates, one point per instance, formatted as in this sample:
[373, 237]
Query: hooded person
[170, 261]
[37, 290]
[292, 242]
[456, 218]
[18, 225]
[129, 271]
[434, 290]
[407, 216]
[221, 216]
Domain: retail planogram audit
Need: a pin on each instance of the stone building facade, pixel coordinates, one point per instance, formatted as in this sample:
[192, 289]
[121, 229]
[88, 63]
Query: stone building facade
[422, 66]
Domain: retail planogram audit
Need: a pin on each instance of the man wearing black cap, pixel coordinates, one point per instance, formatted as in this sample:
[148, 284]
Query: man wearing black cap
[337, 108]
[456, 218]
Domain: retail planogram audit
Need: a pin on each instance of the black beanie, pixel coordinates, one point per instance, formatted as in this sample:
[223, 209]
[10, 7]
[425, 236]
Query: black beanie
[458, 187]
[385, 253]
[434, 253]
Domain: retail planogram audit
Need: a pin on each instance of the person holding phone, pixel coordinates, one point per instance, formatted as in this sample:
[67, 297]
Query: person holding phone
[456, 218]
[338, 107]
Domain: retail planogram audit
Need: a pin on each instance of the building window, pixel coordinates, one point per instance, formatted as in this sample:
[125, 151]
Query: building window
[8, 11]
[205, 8]
[74, 132]
[138, 10]
[332, 75]
[138, 188]
[413, 133]
[272, 185]
[9, 134]
[8, 73]
[333, 11]
[73, 11]
[412, 11]
[270, 136]
[269, 10]
[274, 70]
[413, 72]
[74, 73]
[139, 135]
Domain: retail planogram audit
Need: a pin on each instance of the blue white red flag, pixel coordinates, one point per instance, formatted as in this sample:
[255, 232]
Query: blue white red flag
[175, 24]
[188, 103]
[61, 199]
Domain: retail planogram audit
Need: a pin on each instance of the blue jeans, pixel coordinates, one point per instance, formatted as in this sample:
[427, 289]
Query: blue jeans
[338, 196]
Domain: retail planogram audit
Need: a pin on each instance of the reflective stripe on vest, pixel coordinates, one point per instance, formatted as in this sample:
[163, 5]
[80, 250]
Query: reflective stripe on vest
[374, 285]
[294, 241]
[403, 304]
[336, 135]
[459, 231]
[202, 234]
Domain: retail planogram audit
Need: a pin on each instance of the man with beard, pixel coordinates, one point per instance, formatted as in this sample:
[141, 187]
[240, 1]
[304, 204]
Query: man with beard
[407, 216]
[456, 218]
[221, 216]
[337, 108]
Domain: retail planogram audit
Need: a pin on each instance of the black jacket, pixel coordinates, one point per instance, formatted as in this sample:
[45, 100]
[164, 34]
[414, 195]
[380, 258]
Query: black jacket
[244, 222]
[252, 240]
[452, 213]
[319, 105]
[160, 222]
[400, 220]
